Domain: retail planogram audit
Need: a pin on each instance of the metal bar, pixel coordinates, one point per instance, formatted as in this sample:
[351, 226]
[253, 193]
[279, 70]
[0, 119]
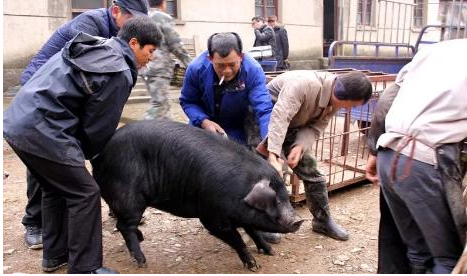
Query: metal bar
[459, 14]
[392, 22]
[410, 23]
[385, 14]
[356, 23]
[364, 2]
[379, 16]
[450, 21]
[398, 21]
[403, 25]
[348, 19]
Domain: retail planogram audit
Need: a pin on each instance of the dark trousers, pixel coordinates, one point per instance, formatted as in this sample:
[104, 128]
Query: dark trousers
[33, 214]
[421, 213]
[71, 208]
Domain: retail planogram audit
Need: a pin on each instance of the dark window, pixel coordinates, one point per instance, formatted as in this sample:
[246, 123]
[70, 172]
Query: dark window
[80, 6]
[364, 12]
[171, 8]
[266, 8]
[418, 13]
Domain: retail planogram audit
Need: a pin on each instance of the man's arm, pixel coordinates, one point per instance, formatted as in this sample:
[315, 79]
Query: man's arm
[264, 36]
[260, 100]
[288, 104]
[379, 116]
[174, 43]
[285, 43]
[307, 135]
[103, 108]
[190, 98]
[378, 128]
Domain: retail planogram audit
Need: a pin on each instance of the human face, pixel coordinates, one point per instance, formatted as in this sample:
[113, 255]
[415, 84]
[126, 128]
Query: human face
[144, 54]
[228, 66]
[272, 23]
[120, 18]
[256, 24]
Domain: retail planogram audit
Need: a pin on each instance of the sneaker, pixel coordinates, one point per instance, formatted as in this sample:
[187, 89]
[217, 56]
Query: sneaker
[50, 265]
[33, 237]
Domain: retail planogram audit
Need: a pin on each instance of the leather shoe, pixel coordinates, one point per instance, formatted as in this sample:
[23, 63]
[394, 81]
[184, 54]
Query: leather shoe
[49, 265]
[330, 228]
[33, 237]
[104, 270]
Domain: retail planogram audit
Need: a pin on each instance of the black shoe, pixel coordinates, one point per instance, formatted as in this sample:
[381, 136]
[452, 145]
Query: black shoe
[49, 265]
[103, 270]
[271, 237]
[330, 228]
[33, 236]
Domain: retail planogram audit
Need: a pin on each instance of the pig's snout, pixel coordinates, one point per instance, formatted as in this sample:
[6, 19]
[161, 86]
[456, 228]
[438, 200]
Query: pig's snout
[291, 223]
[297, 223]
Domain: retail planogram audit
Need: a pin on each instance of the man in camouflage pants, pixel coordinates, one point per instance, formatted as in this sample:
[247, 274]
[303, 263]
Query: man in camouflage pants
[160, 70]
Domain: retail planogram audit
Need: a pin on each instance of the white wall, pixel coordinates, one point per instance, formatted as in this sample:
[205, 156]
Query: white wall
[302, 18]
[27, 25]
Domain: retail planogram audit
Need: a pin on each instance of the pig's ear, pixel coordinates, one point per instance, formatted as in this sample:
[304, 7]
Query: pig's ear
[262, 197]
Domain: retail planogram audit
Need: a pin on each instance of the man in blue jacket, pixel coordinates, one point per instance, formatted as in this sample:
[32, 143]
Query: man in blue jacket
[220, 86]
[99, 22]
[66, 113]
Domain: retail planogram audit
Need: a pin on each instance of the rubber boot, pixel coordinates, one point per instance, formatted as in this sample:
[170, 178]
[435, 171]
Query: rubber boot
[318, 203]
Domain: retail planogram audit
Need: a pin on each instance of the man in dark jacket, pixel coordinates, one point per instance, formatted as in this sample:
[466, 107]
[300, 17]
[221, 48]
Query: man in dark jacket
[66, 113]
[220, 86]
[282, 43]
[264, 34]
[99, 22]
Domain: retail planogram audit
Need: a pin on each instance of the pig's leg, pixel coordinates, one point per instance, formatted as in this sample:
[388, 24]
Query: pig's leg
[132, 236]
[234, 239]
[261, 244]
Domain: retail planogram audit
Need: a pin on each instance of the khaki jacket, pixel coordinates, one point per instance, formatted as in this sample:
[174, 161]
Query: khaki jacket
[301, 102]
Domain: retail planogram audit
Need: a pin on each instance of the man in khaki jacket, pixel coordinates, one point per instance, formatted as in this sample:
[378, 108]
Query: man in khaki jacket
[305, 101]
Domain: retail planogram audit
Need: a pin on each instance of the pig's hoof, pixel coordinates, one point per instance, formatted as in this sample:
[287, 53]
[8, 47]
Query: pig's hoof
[142, 265]
[252, 265]
[270, 252]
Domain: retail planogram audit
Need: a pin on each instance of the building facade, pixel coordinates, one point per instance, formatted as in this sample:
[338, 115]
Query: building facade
[311, 24]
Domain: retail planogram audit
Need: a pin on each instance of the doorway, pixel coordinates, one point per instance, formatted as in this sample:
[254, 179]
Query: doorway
[329, 24]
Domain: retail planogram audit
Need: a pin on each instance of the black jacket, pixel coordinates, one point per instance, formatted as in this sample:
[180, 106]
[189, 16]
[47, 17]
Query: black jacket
[282, 46]
[265, 36]
[72, 105]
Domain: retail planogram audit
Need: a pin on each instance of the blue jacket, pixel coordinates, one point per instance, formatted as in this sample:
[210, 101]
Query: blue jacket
[98, 22]
[71, 107]
[197, 97]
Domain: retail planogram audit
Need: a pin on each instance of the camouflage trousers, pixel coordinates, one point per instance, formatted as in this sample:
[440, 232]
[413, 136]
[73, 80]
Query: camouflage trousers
[158, 88]
[307, 168]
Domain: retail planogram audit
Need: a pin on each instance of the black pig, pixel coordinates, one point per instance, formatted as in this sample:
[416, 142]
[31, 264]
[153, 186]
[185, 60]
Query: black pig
[192, 173]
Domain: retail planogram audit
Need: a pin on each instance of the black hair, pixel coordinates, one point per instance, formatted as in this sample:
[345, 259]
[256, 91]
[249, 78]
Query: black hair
[357, 87]
[224, 43]
[155, 3]
[258, 18]
[143, 29]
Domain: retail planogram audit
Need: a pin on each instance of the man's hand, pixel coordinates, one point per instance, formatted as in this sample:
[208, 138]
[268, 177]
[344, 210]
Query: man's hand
[371, 173]
[276, 162]
[261, 148]
[294, 156]
[211, 126]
